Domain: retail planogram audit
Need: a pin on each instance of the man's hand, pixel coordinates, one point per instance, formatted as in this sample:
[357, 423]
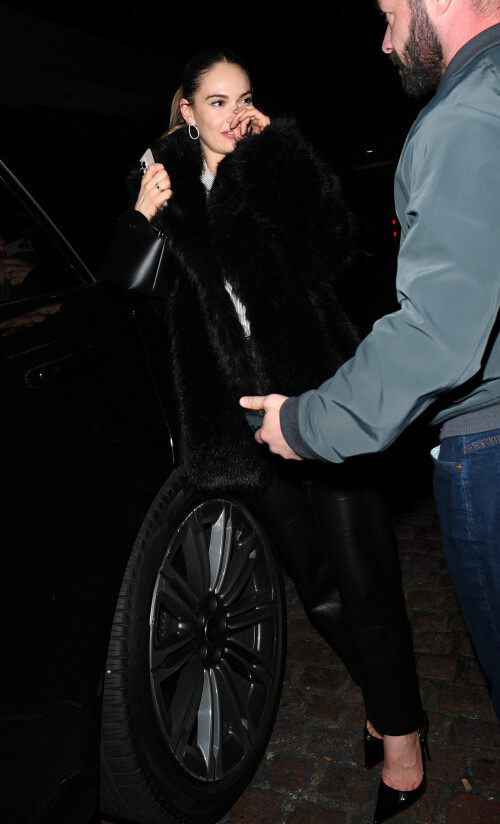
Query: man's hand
[270, 432]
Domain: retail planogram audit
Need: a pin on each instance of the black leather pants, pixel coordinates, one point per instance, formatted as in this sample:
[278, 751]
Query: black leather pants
[337, 542]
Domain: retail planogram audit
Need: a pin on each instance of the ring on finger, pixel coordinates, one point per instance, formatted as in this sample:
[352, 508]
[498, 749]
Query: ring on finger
[158, 187]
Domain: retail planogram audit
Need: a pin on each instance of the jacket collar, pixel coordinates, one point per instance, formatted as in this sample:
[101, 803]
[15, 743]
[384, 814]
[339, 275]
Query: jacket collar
[472, 49]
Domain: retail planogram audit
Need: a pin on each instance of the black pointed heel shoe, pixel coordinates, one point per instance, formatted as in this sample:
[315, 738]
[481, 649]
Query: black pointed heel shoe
[374, 749]
[392, 802]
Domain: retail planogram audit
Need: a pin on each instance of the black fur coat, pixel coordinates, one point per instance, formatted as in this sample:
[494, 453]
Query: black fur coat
[276, 228]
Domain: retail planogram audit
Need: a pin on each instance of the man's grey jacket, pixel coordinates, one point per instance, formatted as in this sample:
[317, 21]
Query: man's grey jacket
[441, 349]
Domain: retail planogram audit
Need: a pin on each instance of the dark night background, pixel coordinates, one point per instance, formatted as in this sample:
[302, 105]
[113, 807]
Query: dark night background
[85, 87]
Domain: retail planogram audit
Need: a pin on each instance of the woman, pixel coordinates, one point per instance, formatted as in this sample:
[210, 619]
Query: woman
[258, 237]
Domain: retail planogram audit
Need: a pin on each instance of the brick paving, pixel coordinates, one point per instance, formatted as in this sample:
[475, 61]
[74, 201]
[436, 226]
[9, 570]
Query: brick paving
[313, 770]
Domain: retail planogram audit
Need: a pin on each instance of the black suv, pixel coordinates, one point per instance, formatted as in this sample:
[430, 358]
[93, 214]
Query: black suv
[139, 614]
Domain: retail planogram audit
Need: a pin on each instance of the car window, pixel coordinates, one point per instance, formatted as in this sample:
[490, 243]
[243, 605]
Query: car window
[31, 261]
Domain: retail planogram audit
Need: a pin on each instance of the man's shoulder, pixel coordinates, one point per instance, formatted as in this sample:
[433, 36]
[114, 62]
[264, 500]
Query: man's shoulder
[455, 108]
[476, 85]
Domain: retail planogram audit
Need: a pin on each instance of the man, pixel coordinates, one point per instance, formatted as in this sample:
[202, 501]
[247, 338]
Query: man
[442, 347]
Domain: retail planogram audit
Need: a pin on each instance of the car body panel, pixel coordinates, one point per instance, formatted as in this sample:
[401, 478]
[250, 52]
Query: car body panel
[85, 447]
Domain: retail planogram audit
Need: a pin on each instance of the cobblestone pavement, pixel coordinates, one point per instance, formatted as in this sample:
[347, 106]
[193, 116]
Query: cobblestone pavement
[313, 770]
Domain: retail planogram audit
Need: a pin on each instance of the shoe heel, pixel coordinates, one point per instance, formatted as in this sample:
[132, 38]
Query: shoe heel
[374, 749]
[422, 734]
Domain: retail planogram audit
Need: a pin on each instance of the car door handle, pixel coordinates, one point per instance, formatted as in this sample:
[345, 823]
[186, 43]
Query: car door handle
[53, 370]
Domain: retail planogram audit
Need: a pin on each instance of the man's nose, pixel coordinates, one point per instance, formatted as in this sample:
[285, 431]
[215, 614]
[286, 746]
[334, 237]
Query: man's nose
[387, 42]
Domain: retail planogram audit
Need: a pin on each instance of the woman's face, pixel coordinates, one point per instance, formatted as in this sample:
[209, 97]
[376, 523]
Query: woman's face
[224, 88]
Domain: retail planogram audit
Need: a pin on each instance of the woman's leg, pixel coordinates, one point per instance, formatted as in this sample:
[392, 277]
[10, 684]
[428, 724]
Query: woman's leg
[362, 553]
[327, 538]
[285, 510]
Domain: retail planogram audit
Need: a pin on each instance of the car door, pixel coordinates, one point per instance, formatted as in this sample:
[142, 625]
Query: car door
[85, 446]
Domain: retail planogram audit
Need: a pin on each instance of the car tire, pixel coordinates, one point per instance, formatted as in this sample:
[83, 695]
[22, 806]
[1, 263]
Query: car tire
[195, 662]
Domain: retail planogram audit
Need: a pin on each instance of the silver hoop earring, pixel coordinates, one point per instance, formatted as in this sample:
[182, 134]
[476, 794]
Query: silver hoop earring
[191, 126]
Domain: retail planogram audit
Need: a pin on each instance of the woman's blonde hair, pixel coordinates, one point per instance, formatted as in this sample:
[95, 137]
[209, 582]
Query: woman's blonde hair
[192, 76]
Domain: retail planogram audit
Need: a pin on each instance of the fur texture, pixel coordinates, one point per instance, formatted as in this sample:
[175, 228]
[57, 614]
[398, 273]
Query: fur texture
[278, 230]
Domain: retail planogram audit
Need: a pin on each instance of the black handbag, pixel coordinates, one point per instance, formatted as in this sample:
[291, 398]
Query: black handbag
[133, 260]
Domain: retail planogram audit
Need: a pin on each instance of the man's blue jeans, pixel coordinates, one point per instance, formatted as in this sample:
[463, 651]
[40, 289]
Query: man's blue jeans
[467, 492]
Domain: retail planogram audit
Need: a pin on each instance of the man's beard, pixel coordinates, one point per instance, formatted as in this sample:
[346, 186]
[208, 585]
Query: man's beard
[421, 65]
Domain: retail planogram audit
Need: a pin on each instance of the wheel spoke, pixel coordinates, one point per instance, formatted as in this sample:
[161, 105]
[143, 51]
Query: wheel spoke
[174, 594]
[171, 655]
[243, 561]
[195, 550]
[239, 619]
[221, 538]
[210, 726]
[184, 706]
[235, 710]
[249, 663]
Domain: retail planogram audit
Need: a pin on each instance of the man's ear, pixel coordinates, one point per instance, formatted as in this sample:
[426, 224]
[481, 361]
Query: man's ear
[439, 7]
